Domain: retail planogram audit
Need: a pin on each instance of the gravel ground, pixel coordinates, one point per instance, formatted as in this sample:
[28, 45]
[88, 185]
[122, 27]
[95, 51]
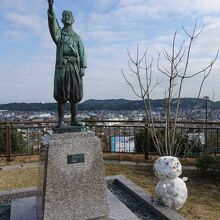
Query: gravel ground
[138, 208]
[5, 208]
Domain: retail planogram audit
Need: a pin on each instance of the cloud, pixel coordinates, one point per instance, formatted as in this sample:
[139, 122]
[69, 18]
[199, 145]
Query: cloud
[18, 5]
[22, 6]
[15, 34]
[108, 28]
[32, 21]
[161, 7]
[134, 12]
[27, 25]
[27, 81]
[103, 5]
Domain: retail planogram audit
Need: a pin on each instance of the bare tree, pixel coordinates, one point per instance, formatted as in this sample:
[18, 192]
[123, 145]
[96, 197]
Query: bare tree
[177, 59]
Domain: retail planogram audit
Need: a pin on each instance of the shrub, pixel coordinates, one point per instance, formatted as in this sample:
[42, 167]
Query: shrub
[207, 163]
[192, 148]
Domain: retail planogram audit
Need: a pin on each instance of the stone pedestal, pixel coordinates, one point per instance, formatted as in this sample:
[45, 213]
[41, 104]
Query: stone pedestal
[75, 186]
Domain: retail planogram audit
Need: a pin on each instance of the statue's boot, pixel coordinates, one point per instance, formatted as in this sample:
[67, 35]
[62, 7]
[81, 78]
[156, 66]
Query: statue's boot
[74, 121]
[61, 109]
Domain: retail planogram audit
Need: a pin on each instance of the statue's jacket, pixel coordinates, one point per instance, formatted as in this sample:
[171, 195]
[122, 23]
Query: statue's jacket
[70, 60]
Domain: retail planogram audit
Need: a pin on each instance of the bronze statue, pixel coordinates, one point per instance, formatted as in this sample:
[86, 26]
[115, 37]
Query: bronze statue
[70, 64]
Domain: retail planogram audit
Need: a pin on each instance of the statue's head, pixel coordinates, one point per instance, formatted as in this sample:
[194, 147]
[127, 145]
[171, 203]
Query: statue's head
[67, 17]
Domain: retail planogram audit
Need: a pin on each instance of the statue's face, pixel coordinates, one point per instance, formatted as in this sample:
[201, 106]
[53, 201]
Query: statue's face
[67, 17]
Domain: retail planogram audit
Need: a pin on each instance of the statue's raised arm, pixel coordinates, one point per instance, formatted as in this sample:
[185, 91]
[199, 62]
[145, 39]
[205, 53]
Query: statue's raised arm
[52, 22]
[50, 6]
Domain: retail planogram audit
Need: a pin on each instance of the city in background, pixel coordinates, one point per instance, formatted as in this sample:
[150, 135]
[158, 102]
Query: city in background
[21, 132]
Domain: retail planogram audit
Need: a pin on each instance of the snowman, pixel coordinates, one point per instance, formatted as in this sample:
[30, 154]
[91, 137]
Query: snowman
[170, 190]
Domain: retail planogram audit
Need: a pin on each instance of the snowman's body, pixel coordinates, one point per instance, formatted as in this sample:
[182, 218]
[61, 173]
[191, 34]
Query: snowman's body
[170, 190]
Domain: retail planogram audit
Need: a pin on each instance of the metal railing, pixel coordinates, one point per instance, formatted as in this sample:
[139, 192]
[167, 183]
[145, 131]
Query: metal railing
[24, 138]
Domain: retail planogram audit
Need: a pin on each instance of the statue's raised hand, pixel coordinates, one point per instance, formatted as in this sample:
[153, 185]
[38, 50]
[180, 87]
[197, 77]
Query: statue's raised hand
[50, 2]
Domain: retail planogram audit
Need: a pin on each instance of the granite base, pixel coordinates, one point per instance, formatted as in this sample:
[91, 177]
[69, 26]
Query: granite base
[75, 185]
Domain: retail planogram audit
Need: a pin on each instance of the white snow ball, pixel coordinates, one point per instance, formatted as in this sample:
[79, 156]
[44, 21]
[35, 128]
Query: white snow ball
[174, 194]
[167, 167]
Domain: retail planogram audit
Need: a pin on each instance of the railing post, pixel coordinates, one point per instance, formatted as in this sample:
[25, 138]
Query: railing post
[8, 141]
[146, 142]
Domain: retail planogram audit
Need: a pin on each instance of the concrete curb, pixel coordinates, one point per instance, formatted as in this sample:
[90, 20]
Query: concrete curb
[19, 193]
[163, 212]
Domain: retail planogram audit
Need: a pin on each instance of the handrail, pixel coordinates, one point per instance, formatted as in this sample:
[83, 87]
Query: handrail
[109, 121]
[101, 127]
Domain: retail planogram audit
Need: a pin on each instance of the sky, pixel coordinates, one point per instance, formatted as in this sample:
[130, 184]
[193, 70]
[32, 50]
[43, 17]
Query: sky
[108, 28]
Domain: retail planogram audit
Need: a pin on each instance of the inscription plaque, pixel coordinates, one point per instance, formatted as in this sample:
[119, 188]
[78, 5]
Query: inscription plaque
[75, 158]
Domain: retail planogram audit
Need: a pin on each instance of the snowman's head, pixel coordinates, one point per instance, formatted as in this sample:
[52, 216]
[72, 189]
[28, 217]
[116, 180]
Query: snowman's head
[167, 167]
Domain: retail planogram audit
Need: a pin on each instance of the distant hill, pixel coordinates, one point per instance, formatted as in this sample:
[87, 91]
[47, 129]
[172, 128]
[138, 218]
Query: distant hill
[29, 106]
[109, 104]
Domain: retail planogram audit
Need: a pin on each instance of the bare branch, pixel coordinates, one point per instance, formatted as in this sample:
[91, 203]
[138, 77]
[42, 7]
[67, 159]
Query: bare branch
[167, 56]
[204, 69]
[145, 53]
[130, 57]
[132, 87]
[195, 36]
[179, 51]
[158, 67]
[186, 32]
[137, 55]
[156, 84]
[180, 59]
[131, 68]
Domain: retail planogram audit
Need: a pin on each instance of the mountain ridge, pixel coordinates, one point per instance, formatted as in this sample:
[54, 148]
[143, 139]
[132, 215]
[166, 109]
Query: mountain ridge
[109, 104]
